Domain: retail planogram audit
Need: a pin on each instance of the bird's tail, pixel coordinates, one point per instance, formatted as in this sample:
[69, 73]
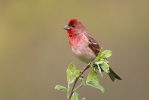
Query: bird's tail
[113, 75]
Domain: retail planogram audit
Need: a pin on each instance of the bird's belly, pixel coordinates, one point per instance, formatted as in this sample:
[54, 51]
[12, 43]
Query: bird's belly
[84, 53]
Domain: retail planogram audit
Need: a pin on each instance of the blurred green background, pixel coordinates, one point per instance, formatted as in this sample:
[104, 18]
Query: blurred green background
[34, 50]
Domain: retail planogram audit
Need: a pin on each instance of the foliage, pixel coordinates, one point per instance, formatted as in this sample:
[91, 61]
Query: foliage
[73, 75]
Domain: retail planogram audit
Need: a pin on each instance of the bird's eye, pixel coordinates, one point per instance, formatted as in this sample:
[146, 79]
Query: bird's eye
[73, 26]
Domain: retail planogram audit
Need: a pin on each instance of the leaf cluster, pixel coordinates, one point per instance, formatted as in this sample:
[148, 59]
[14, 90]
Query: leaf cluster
[73, 75]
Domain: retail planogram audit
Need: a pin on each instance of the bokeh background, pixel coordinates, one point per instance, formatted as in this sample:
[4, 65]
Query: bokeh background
[34, 50]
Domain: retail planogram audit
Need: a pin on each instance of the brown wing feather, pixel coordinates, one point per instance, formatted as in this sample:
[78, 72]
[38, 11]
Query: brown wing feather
[94, 46]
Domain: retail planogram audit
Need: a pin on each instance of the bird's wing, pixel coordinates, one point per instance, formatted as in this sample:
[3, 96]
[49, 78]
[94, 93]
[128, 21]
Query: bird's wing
[94, 46]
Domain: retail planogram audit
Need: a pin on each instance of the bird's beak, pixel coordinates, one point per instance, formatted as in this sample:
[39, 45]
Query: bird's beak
[66, 27]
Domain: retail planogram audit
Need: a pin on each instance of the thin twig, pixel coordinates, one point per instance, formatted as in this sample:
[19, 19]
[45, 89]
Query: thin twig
[80, 75]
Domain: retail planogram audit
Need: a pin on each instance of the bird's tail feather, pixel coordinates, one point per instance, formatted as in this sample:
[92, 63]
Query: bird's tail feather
[113, 75]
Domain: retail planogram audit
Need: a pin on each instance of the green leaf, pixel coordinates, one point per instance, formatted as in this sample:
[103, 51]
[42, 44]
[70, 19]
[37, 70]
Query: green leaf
[61, 88]
[83, 81]
[105, 67]
[76, 73]
[98, 56]
[71, 67]
[71, 73]
[92, 80]
[103, 55]
[74, 96]
[96, 86]
[92, 76]
[106, 54]
[100, 62]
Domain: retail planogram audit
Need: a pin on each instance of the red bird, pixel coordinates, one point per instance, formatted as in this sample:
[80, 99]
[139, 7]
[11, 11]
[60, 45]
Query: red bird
[83, 44]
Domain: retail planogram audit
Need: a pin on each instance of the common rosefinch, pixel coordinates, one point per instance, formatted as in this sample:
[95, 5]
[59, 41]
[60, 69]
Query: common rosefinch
[83, 44]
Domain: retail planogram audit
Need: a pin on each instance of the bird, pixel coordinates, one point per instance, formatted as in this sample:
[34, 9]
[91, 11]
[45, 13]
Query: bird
[83, 45]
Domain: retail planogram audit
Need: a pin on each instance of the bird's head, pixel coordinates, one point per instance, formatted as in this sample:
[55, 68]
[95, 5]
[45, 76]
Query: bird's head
[74, 27]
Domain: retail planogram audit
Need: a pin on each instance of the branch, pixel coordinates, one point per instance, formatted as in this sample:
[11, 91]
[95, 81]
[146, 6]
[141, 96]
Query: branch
[80, 75]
